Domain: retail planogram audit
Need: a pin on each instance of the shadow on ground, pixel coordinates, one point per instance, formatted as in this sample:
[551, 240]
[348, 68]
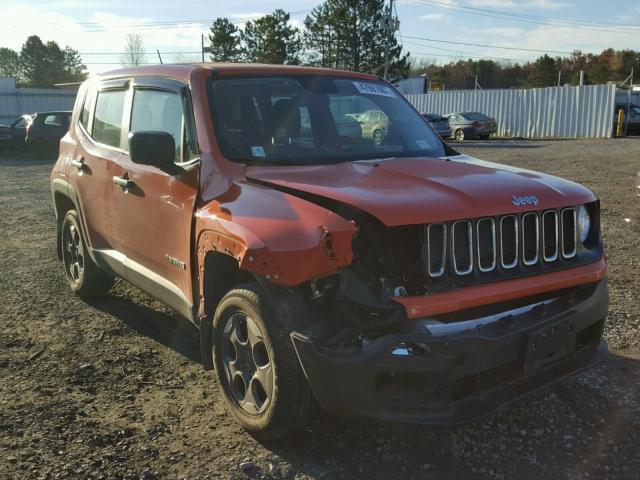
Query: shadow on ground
[174, 332]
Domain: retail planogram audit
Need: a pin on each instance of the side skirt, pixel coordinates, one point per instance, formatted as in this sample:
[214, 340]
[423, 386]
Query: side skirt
[145, 279]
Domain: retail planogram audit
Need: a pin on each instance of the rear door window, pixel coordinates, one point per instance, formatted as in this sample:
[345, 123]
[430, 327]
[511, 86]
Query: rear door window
[107, 122]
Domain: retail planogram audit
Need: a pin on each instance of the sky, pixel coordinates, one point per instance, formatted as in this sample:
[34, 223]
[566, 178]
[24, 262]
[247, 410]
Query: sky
[435, 30]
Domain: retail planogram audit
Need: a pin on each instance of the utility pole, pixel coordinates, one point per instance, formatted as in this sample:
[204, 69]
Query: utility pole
[626, 121]
[202, 45]
[390, 26]
[559, 77]
[159, 57]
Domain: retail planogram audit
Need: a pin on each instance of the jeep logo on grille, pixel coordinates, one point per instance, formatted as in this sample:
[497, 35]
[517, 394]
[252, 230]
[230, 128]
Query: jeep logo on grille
[522, 201]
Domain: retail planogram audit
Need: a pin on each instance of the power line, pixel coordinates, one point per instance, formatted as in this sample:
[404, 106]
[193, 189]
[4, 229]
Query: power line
[471, 54]
[575, 21]
[142, 53]
[487, 45]
[514, 17]
[92, 27]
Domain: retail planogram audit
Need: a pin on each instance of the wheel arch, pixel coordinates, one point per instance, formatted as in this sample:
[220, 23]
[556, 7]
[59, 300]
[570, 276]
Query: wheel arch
[62, 203]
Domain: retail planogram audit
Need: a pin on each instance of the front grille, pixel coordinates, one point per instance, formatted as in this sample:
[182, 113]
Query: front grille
[509, 242]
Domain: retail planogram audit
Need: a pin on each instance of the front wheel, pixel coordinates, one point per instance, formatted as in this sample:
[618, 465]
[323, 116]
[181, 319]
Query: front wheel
[378, 137]
[459, 135]
[256, 365]
[84, 277]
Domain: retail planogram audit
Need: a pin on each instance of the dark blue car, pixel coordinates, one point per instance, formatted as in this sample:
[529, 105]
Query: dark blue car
[12, 136]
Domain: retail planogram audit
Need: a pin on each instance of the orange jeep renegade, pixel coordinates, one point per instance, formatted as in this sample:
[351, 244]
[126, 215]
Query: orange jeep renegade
[386, 277]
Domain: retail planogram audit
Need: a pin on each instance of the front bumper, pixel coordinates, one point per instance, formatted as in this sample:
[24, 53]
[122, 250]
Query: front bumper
[456, 372]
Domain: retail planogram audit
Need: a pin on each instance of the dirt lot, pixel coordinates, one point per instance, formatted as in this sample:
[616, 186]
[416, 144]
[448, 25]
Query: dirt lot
[114, 389]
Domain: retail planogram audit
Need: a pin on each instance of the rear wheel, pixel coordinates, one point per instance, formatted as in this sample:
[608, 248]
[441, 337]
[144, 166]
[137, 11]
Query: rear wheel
[84, 277]
[459, 135]
[257, 368]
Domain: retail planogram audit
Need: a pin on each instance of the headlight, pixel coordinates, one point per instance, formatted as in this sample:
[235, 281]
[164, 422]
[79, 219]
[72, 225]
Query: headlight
[584, 223]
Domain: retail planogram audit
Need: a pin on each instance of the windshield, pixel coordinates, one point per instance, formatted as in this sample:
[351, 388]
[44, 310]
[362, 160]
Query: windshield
[315, 120]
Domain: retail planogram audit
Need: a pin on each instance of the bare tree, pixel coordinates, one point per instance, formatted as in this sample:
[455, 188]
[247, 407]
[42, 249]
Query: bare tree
[133, 51]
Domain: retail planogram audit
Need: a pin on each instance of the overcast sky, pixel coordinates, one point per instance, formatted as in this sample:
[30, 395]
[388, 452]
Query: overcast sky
[96, 28]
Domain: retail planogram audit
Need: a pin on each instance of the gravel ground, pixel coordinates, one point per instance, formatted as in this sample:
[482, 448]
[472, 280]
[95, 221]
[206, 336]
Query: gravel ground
[114, 389]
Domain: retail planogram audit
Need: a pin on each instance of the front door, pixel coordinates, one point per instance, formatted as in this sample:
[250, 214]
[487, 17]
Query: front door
[154, 209]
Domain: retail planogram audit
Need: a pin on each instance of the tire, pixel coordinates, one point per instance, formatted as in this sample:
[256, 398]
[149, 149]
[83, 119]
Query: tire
[256, 365]
[377, 137]
[84, 277]
[459, 134]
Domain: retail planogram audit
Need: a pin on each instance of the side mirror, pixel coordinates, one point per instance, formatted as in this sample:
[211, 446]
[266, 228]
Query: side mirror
[152, 148]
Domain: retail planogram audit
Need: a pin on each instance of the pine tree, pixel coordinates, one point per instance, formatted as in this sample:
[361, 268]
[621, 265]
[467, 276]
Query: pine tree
[544, 72]
[225, 41]
[347, 34]
[271, 39]
[44, 65]
[9, 63]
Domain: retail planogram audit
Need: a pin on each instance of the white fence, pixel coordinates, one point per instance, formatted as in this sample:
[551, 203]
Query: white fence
[556, 112]
[14, 102]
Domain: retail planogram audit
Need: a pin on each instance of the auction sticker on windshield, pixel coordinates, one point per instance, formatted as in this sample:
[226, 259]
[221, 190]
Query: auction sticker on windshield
[374, 89]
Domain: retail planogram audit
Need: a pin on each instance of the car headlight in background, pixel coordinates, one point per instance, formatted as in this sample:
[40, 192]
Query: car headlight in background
[584, 223]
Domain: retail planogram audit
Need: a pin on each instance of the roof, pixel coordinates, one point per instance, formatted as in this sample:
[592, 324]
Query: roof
[184, 70]
[49, 112]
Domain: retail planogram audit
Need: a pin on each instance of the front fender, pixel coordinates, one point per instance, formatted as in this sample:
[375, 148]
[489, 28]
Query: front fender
[279, 236]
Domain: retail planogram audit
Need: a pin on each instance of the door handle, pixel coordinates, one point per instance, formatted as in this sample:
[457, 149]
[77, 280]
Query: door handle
[124, 182]
[79, 164]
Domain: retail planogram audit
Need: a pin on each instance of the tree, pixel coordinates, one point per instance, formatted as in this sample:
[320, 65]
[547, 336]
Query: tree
[44, 65]
[75, 70]
[225, 41]
[9, 63]
[134, 51]
[347, 34]
[271, 39]
[34, 63]
[544, 72]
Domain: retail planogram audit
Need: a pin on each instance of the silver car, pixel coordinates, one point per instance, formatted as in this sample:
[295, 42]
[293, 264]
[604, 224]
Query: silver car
[439, 124]
[466, 125]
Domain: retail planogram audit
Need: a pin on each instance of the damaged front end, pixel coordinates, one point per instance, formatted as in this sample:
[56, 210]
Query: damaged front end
[365, 354]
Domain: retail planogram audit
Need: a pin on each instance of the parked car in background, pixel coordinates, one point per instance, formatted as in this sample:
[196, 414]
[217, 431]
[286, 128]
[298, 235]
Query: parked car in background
[12, 136]
[632, 119]
[374, 125]
[439, 123]
[467, 125]
[45, 131]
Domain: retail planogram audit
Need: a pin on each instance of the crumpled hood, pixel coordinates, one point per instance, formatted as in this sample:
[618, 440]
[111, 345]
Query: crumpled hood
[404, 191]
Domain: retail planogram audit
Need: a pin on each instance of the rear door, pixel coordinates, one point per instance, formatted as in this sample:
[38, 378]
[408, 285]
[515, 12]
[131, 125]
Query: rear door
[156, 212]
[99, 146]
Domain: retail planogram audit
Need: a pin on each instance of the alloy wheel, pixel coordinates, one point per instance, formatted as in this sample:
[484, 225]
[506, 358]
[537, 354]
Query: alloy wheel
[378, 137]
[248, 366]
[73, 252]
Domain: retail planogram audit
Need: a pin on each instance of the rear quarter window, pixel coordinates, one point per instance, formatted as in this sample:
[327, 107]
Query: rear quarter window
[56, 120]
[86, 109]
[107, 122]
